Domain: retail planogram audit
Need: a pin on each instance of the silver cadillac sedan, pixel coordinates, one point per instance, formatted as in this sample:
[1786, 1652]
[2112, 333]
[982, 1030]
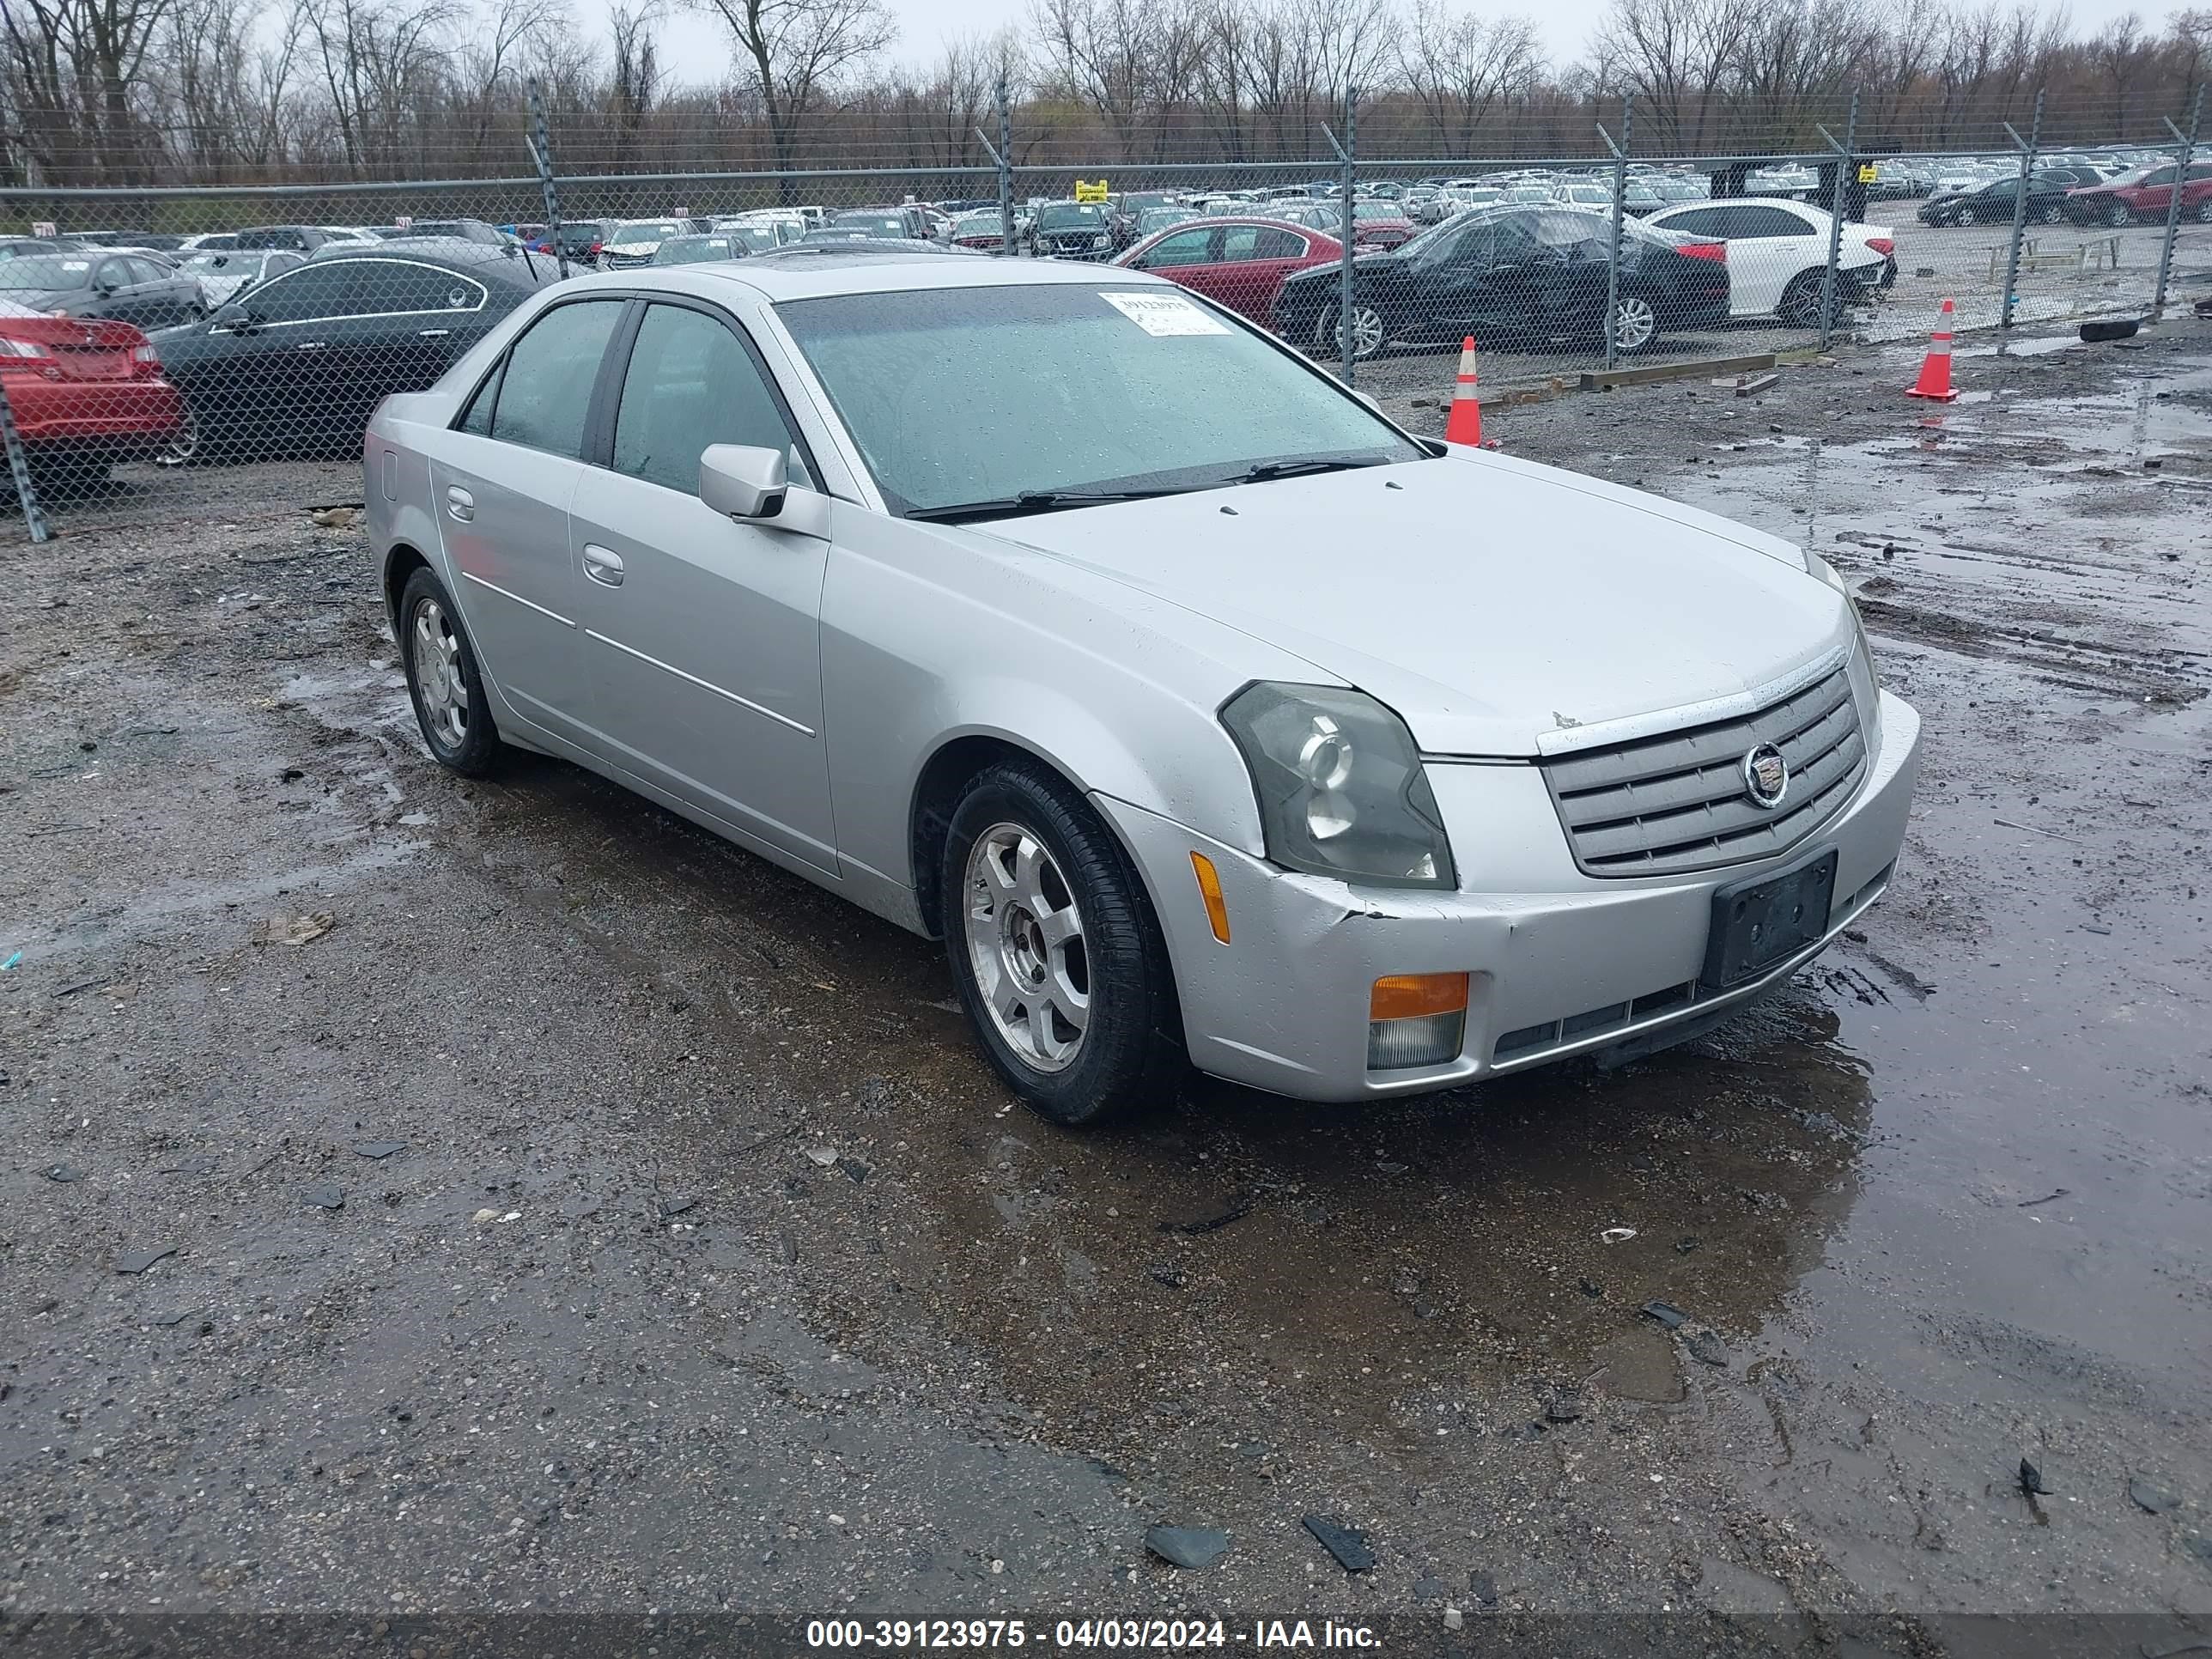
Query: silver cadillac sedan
[1206, 716]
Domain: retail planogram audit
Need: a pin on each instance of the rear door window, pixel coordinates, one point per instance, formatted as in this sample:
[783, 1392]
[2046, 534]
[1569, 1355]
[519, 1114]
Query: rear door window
[545, 392]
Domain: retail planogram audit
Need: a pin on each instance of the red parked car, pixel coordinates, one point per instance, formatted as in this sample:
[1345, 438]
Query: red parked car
[2144, 194]
[1236, 263]
[85, 392]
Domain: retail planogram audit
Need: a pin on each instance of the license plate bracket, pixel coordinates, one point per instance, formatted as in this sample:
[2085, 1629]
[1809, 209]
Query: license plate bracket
[1759, 923]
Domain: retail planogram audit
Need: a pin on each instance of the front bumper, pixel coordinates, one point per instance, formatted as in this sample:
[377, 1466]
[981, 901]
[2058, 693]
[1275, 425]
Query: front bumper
[1559, 963]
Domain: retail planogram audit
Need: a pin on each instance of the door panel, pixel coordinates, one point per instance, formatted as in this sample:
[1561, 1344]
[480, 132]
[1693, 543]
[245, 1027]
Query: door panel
[502, 503]
[703, 634]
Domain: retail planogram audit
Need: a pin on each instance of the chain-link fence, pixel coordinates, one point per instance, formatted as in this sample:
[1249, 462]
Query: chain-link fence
[182, 328]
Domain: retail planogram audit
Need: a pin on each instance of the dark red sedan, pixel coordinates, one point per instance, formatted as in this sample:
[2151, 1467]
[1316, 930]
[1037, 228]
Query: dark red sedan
[85, 392]
[1237, 263]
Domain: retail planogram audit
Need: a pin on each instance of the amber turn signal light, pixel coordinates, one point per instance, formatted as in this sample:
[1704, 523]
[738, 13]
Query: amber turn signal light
[1209, 889]
[1413, 996]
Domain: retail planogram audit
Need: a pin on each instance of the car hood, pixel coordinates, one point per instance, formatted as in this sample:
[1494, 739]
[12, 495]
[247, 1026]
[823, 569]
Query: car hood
[1490, 601]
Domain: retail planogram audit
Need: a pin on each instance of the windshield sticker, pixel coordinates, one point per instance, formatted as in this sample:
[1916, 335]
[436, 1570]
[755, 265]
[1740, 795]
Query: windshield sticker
[1164, 315]
[76, 264]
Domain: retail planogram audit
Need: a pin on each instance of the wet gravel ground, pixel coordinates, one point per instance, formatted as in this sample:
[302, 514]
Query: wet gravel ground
[430, 1197]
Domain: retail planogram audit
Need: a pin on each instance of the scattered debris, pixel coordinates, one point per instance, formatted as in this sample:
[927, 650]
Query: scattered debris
[2113, 328]
[199, 1163]
[484, 1217]
[1170, 1277]
[141, 1261]
[1239, 1208]
[1687, 1243]
[2030, 1203]
[1666, 1313]
[1564, 1407]
[1430, 1588]
[1454, 1619]
[63, 1172]
[825, 1156]
[1591, 1288]
[1186, 1546]
[337, 518]
[324, 1195]
[295, 930]
[1707, 1349]
[84, 985]
[675, 1207]
[2031, 1481]
[1618, 1235]
[2151, 1498]
[1347, 1544]
[1484, 1586]
[11, 962]
[379, 1149]
[2036, 829]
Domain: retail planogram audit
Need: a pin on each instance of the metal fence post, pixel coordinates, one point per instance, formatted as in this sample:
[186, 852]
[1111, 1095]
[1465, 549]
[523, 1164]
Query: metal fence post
[1006, 171]
[19, 467]
[2182, 158]
[1620, 208]
[2027, 148]
[541, 150]
[1346, 154]
[1846, 159]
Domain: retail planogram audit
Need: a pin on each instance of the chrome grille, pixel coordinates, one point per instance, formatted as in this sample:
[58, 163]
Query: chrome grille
[1662, 805]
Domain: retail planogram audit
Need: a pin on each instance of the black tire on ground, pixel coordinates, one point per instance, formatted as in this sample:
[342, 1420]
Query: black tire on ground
[1800, 305]
[2118, 215]
[1370, 335]
[430, 630]
[1130, 1054]
[2204, 211]
[2051, 214]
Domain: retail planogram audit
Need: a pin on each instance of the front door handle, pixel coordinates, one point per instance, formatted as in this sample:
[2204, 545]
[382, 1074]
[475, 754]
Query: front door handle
[603, 565]
[432, 333]
[313, 345]
[460, 503]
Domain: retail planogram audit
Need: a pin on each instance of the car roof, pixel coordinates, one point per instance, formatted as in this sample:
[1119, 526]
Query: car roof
[504, 263]
[820, 272]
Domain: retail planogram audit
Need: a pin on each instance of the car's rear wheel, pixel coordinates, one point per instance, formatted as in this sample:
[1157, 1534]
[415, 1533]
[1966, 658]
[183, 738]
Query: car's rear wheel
[443, 680]
[1055, 955]
[1800, 305]
[2052, 214]
[1635, 324]
[1368, 333]
[185, 447]
[2120, 216]
[2204, 211]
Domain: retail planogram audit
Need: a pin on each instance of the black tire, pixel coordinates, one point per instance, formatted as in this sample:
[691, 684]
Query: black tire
[2051, 214]
[2204, 211]
[2120, 215]
[1800, 305]
[474, 749]
[1368, 343]
[1130, 1053]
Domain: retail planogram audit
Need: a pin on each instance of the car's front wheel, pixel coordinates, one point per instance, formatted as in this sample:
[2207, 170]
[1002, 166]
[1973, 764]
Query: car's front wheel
[443, 680]
[2204, 211]
[1055, 954]
[2052, 214]
[2120, 215]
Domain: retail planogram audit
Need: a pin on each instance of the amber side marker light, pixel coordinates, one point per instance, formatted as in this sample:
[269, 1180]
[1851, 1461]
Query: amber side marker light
[1209, 889]
[1415, 1019]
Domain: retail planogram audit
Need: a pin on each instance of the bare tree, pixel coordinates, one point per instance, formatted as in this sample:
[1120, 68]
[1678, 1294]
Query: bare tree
[794, 51]
[1461, 67]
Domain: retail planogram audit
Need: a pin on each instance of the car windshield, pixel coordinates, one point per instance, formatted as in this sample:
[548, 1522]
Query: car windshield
[961, 395]
[1068, 216]
[647, 230]
[1374, 210]
[692, 249]
[23, 275]
[869, 224]
[223, 265]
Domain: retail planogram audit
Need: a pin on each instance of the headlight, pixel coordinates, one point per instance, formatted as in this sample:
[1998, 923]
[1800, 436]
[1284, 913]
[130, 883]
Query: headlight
[1340, 787]
[1817, 566]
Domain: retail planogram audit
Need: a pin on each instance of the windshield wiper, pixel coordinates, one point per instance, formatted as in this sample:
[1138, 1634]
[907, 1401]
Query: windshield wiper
[1038, 501]
[1269, 470]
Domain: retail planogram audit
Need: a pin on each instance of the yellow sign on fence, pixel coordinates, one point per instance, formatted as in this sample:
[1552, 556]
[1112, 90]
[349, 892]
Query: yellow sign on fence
[1085, 192]
[1868, 172]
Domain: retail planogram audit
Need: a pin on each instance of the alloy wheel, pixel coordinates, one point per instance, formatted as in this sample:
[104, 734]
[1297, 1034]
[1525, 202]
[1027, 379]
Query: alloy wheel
[1634, 322]
[1025, 943]
[435, 648]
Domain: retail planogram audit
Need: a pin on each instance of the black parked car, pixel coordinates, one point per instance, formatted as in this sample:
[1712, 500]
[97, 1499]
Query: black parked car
[1073, 230]
[1993, 204]
[90, 282]
[1523, 274]
[299, 362]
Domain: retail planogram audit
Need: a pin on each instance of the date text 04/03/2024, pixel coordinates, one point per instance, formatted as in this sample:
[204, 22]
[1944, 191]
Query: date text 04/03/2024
[1137, 1634]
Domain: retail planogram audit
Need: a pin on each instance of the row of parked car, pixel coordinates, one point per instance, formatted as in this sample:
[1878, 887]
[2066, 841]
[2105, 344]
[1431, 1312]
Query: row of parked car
[2078, 193]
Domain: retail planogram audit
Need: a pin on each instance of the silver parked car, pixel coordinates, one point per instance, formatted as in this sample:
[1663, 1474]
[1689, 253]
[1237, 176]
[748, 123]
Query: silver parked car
[1200, 710]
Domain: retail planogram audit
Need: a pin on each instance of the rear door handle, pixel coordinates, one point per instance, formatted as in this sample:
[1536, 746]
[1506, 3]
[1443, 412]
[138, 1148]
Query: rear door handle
[313, 345]
[603, 565]
[460, 503]
[432, 333]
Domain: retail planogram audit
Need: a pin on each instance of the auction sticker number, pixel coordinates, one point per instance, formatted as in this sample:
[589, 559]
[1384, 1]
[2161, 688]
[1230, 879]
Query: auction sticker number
[1167, 315]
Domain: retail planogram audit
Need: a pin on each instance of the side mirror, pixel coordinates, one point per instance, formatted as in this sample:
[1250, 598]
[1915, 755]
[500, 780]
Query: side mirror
[740, 481]
[233, 316]
[1370, 400]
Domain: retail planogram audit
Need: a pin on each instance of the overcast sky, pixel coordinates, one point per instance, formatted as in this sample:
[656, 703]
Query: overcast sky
[696, 47]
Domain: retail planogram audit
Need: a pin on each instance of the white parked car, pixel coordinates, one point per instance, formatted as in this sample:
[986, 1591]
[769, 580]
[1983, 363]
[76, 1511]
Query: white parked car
[224, 275]
[1778, 253]
[1203, 713]
[633, 242]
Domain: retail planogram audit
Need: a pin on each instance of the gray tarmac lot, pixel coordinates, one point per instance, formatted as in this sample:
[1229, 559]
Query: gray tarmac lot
[684, 1255]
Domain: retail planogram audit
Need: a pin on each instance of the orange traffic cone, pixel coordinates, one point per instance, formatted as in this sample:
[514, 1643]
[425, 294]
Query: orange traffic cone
[1464, 424]
[1935, 381]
